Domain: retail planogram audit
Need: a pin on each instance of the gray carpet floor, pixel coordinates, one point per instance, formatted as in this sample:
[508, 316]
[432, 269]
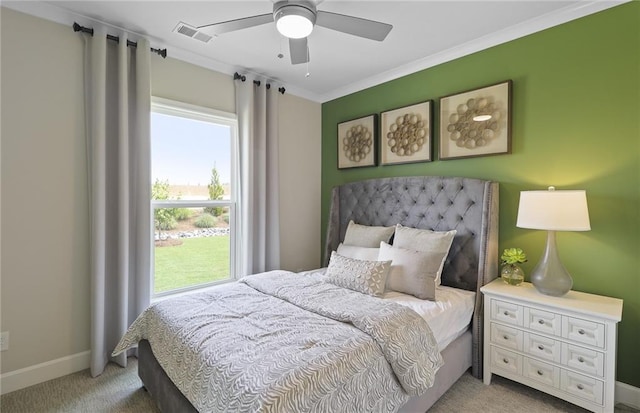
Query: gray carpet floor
[120, 390]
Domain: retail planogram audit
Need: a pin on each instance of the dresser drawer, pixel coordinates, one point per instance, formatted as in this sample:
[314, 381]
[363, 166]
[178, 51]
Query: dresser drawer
[583, 331]
[542, 347]
[506, 360]
[543, 321]
[581, 386]
[506, 336]
[541, 372]
[583, 359]
[506, 312]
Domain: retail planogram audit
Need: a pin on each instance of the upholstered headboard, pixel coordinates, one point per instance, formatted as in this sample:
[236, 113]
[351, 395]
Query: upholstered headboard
[470, 206]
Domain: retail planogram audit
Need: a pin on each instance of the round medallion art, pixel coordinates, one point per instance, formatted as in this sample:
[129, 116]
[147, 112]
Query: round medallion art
[357, 143]
[407, 134]
[475, 123]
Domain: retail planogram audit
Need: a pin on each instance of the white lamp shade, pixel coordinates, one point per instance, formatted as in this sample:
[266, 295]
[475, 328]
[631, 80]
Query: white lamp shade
[554, 210]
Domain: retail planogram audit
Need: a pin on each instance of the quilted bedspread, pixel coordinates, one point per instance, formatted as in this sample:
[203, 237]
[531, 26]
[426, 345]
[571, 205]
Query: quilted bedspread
[286, 342]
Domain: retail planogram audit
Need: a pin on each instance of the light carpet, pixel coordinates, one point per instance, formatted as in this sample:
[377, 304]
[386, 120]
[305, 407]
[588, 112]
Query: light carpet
[120, 390]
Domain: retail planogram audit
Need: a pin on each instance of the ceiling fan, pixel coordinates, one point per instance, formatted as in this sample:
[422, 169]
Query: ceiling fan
[296, 19]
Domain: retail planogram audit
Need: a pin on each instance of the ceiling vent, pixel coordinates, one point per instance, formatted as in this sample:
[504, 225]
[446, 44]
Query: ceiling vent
[192, 32]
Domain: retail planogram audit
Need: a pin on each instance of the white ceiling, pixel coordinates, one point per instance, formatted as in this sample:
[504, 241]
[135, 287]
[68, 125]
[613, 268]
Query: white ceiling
[425, 33]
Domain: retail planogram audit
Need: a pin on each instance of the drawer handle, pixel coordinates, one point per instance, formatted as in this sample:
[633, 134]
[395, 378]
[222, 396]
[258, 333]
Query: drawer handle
[505, 361]
[506, 313]
[581, 332]
[540, 373]
[580, 387]
[581, 360]
[540, 347]
[541, 321]
[506, 337]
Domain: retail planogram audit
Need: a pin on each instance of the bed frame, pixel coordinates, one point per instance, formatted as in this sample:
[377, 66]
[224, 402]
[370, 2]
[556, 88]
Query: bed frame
[470, 206]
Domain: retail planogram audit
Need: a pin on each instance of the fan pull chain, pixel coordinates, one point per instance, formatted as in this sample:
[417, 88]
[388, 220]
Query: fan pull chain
[308, 72]
[281, 55]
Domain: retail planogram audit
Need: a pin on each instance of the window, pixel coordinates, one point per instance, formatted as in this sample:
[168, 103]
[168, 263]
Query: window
[193, 170]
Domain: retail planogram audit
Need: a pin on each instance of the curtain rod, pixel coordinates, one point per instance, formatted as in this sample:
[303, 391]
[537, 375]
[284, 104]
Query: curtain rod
[237, 76]
[78, 28]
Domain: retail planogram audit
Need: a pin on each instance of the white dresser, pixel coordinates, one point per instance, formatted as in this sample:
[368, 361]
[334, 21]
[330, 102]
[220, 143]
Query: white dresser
[564, 346]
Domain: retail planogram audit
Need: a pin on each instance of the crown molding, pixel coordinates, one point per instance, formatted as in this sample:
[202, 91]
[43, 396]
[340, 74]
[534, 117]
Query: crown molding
[57, 14]
[511, 33]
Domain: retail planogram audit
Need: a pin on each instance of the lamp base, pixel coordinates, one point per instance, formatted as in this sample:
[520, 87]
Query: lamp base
[549, 276]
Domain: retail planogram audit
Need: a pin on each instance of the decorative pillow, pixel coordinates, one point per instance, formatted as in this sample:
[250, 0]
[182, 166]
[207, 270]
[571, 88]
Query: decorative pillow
[359, 253]
[368, 277]
[366, 236]
[412, 272]
[425, 240]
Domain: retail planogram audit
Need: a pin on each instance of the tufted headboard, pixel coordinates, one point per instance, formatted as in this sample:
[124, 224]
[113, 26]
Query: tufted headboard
[470, 206]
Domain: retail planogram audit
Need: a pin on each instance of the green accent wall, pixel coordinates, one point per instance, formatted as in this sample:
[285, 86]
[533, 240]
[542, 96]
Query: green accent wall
[576, 125]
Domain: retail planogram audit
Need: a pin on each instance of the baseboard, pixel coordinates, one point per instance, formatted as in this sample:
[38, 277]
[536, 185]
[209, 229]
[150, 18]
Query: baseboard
[28, 376]
[627, 394]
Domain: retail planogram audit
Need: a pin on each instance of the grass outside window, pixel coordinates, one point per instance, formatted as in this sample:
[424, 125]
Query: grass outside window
[195, 261]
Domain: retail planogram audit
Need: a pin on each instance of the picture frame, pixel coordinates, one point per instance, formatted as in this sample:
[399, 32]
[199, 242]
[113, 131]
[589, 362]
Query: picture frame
[476, 122]
[406, 134]
[357, 142]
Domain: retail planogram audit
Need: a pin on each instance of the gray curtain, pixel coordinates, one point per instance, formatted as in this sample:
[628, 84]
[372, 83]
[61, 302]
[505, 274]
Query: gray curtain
[259, 223]
[117, 106]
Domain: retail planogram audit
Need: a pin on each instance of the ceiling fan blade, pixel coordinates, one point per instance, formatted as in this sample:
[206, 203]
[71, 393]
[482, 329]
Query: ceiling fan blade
[356, 26]
[299, 51]
[237, 24]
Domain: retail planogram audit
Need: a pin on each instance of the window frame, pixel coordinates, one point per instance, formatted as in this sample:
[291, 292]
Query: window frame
[204, 114]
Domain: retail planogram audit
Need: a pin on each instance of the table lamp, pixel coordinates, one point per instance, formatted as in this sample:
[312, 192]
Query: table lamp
[553, 211]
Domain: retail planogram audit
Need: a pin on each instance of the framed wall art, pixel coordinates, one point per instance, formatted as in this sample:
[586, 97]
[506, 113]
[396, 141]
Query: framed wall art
[476, 122]
[405, 134]
[357, 142]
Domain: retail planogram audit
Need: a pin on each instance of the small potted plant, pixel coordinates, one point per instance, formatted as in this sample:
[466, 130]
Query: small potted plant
[511, 273]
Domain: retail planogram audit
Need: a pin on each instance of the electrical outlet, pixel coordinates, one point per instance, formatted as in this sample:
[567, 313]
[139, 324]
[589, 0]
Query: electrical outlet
[4, 341]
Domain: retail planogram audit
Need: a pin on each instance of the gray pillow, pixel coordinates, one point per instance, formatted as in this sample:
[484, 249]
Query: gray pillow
[424, 240]
[368, 277]
[367, 236]
[412, 272]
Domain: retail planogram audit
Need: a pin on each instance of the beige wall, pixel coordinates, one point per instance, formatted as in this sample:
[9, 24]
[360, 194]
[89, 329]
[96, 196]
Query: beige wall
[300, 139]
[176, 80]
[44, 228]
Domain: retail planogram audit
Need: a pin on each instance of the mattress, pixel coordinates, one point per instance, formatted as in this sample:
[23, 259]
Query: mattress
[449, 316]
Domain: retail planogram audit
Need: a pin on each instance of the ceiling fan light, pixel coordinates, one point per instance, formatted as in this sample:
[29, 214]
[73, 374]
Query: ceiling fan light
[294, 22]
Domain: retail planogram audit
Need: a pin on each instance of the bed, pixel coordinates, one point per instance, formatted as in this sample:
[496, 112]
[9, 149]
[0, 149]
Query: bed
[470, 206]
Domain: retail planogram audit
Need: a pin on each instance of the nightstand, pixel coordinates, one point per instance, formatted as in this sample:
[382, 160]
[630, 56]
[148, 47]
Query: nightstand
[565, 346]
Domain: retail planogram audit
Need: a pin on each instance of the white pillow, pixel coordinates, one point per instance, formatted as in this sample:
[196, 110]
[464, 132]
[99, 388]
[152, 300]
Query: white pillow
[425, 240]
[359, 253]
[367, 236]
[368, 277]
[412, 272]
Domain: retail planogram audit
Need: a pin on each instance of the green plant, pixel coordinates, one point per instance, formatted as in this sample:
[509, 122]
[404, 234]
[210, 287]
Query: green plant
[160, 190]
[205, 221]
[182, 213]
[164, 221]
[216, 191]
[163, 218]
[225, 218]
[513, 256]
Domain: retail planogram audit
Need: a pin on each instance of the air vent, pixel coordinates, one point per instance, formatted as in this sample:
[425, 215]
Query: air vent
[192, 32]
